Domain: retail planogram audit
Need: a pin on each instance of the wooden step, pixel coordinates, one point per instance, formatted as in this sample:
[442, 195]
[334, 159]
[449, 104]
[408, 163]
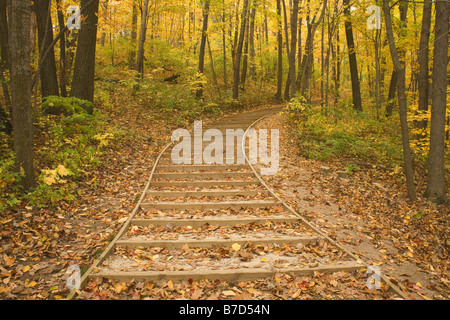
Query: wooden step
[229, 275]
[205, 167]
[203, 175]
[177, 244]
[213, 222]
[209, 205]
[235, 183]
[209, 193]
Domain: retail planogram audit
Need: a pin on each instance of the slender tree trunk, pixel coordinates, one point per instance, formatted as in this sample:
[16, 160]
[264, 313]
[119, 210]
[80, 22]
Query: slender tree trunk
[308, 59]
[236, 33]
[19, 36]
[286, 31]
[337, 79]
[252, 68]
[201, 59]
[395, 76]
[280, 52]
[266, 24]
[49, 80]
[224, 47]
[213, 70]
[391, 95]
[378, 72]
[62, 52]
[5, 123]
[423, 60]
[299, 55]
[84, 69]
[245, 55]
[134, 21]
[436, 189]
[142, 33]
[237, 64]
[4, 47]
[306, 64]
[322, 67]
[356, 89]
[402, 101]
[294, 26]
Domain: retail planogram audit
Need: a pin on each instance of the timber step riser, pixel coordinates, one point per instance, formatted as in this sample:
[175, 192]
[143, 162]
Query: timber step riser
[232, 276]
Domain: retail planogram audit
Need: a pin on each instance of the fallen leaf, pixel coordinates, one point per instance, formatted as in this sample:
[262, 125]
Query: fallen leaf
[118, 288]
[236, 247]
[9, 261]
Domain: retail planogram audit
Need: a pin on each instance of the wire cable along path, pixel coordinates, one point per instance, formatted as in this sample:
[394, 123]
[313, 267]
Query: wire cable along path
[234, 226]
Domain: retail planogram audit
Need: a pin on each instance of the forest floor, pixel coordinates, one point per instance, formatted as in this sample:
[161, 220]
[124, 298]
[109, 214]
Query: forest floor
[365, 211]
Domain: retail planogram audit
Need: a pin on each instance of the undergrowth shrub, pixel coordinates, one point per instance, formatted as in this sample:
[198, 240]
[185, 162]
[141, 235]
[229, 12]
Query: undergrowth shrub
[69, 147]
[344, 133]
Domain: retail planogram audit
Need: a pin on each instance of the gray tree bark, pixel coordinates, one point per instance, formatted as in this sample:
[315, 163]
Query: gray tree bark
[436, 190]
[84, 69]
[201, 59]
[423, 60]
[20, 49]
[402, 101]
[49, 80]
[356, 87]
[280, 53]
[142, 33]
[237, 63]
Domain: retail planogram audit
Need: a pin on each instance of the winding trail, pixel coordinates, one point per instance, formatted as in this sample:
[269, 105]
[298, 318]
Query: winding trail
[216, 222]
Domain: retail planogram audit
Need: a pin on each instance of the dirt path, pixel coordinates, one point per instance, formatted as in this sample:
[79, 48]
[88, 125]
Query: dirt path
[212, 232]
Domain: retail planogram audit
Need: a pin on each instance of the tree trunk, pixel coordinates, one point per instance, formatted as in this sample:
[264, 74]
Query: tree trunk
[84, 69]
[280, 53]
[299, 54]
[201, 59]
[377, 72]
[134, 21]
[236, 33]
[423, 60]
[19, 37]
[337, 66]
[49, 80]
[224, 48]
[436, 190]
[286, 31]
[356, 89]
[252, 68]
[294, 26]
[391, 95]
[245, 55]
[266, 25]
[402, 101]
[237, 64]
[322, 67]
[213, 70]
[62, 52]
[4, 47]
[142, 33]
